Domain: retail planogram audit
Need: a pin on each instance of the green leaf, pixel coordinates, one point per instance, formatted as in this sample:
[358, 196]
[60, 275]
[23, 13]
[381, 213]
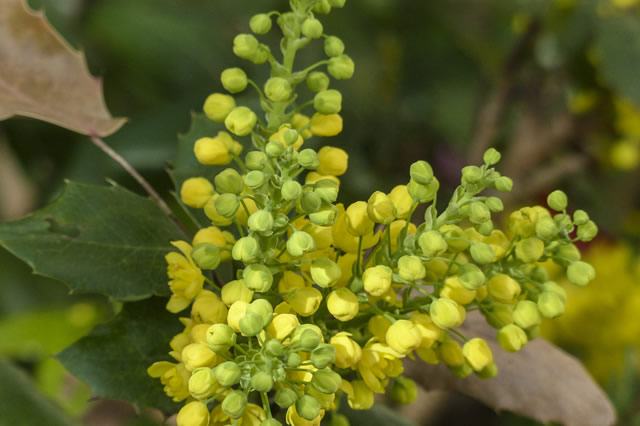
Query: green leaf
[378, 415]
[113, 359]
[619, 46]
[97, 239]
[23, 404]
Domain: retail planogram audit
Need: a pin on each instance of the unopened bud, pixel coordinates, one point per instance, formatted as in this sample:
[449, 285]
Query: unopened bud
[227, 205]
[423, 193]
[403, 390]
[246, 249]
[277, 89]
[228, 373]
[472, 174]
[257, 277]
[471, 277]
[557, 200]
[550, 304]
[256, 160]
[206, 256]
[300, 243]
[326, 381]
[323, 356]
[312, 28]
[260, 23]
[529, 250]
[308, 407]
[503, 184]
[341, 67]
[588, 231]
[512, 338]
[220, 337]
[262, 381]
[482, 253]
[235, 404]
[445, 314]
[291, 190]
[240, 121]
[491, 157]
[218, 106]
[234, 80]
[254, 179]
[526, 315]
[580, 273]
[421, 172]
[285, 397]
[328, 102]
[308, 159]
[317, 81]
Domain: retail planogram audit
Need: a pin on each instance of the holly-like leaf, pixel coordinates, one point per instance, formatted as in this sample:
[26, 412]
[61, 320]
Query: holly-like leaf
[23, 404]
[43, 77]
[541, 382]
[97, 239]
[618, 43]
[113, 359]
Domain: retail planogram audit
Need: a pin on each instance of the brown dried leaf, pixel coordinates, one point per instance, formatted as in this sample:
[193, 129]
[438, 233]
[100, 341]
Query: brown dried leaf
[541, 382]
[43, 77]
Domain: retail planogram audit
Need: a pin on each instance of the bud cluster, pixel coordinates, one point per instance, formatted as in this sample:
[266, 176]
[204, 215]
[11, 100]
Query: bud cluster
[328, 299]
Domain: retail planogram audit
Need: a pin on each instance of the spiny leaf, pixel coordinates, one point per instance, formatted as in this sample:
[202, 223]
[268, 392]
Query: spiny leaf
[23, 404]
[43, 77]
[113, 359]
[97, 239]
[541, 382]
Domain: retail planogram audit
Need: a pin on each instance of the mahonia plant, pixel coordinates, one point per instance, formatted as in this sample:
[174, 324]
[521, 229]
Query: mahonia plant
[327, 300]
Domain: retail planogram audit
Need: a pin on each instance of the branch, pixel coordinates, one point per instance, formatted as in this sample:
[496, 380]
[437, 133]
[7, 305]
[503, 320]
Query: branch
[97, 141]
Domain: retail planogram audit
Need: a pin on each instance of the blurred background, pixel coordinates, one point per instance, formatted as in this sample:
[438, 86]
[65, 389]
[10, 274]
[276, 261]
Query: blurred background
[553, 84]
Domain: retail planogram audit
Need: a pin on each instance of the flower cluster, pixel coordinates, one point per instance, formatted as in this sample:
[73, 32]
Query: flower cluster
[326, 300]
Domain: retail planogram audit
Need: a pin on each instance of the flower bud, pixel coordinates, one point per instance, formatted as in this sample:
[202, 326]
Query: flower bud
[260, 23]
[254, 179]
[432, 243]
[277, 89]
[202, 383]
[341, 67]
[285, 397]
[274, 149]
[308, 407]
[293, 360]
[503, 288]
[310, 202]
[557, 200]
[251, 324]
[546, 228]
[195, 192]
[333, 46]
[357, 220]
[580, 273]
[323, 356]
[328, 102]
[403, 390]
[273, 348]
[246, 249]
[206, 256]
[257, 277]
[305, 301]
[325, 272]
[411, 268]
[588, 231]
[380, 208]
[403, 336]
[494, 204]
[477, 353]
[324, 217]
[308, 159]
[235, 404]
[526, 315]
[326, 381]
[421, 172]
[471, 277]
[308, 340]
[291, 190]
[220, 337]
[343, 304]
[512, 338]
[228, 373]
[234, 291]
[529, 250]
[300, 243]
[234, 80]
[245, 46]
[550, 304]
[326, 125]
[347, 351]
[270, 422]
[455, 237]
[563, 221]
[317, 81]
[218, 106]
[580, 217]
[423, 193]
[261, 221]
[240, 121]
[327, 190]
[491, 157]
[445, 314]
[261, 55]
[482, 253]
[195, 413]
[312, 28]
[503, 184]
[196, 355]
[227, 205]
[454, 290]
[262, 381]
[489, 372]
[282, 325]
[552, 287]
[377, 280]
[479, 212]
[322, 7]
[256, 160]
[333, 161]
[450, 353]
[472, 174]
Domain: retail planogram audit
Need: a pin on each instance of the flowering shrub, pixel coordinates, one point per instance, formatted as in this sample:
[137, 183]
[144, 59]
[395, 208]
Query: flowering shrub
[323, 299]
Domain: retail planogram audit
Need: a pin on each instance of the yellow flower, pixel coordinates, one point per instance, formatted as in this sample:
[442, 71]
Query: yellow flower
[253, 415]
[186, 279]
[348, 352]
[359, 396]
[216, 151]
[196, 191]
[237, 311]
[234, 291]
[194, 413]
[380, 208]
[401, 200]
[326, 124]
[395, 228]
[305, 301]
[454, 291]
[314, 177]
[294, 419]
[378, 326]
[282, 325]
[217, 106]
[344, 240]
[358, 222]
[174, 378]
[477, 353]
[279, 136]
[377, 280]
[208, 308]
[429, 331]
[217, 237]
[343, 304]
[333, 161]
[403, 336]
[503, 288]
[198, 355]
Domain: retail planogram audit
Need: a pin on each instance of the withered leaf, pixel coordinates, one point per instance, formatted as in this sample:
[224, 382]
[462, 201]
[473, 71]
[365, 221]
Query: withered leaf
[541, 381]
[43, 77]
